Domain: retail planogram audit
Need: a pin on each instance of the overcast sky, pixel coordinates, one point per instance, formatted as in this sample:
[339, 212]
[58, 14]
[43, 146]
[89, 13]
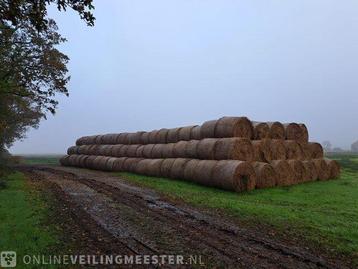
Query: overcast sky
[149, 64]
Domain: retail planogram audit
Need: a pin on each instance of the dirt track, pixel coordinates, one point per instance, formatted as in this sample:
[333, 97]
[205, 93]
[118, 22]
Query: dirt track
[139, 221]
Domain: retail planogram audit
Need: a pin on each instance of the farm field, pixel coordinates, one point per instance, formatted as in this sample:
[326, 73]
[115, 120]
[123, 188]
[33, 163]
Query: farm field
[322, 215]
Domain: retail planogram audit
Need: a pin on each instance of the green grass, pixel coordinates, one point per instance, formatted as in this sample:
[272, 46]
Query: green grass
[23, 214]
[41, 159]
[324, 213]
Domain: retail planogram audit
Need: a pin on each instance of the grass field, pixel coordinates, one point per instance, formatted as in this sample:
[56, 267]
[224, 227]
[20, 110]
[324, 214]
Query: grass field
[323, 213]
[23, 214]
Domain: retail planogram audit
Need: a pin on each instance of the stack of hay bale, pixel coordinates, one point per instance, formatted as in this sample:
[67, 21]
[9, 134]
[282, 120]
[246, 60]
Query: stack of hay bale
[230, 153]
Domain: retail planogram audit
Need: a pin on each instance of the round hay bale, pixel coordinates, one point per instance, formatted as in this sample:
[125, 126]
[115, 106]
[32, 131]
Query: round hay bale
[89, 161]
[177, 169]
[154, 167]
[206, 149]
[278, 149]
[315, 150]
[168, 150]
[207, 130]
[203, 173]
[195, 133]
[191, 149]
[184, 133]
[80, 141]
[144, 139]
[132, 150]
[92, 149]
[72, 150]
[108, 150]
[265, 175]
[261, 130]
[277, 130]
[147, 150]
[293, 150]
[311, 171]
[322, 169]
[139, 152]
[135, 138]
[118, 164]
[98, 139]
[153, 137]
[71, 160]
[122, 139]
[83, 150]
[294, 131]
[116, 150]
[64, 160]
[142, 167]
[298, 170]
[82, 160]
[130, 164]
[179, 149]
[234, 175]
[85, 140]
[122, 152]
[305, 136]
[101, 149]
[95, 163]
[334, 168]
[106, 138]
[157, 151]
[111, 139]
[190, 169]
[162, 136]
[173, 135]
[262, 150]
[284, 172]
[110, 163]
[166, 167]
[234, 149]
[234, 127]
[102, 163]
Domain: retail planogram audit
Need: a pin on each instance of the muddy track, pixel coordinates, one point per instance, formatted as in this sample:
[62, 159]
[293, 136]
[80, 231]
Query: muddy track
[143, 222]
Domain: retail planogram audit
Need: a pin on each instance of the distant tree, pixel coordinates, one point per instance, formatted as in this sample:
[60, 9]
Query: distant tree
[337, 149]
[354, 146]
[327, 146]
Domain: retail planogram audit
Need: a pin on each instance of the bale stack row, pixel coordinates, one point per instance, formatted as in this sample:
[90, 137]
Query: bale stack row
[231, 153]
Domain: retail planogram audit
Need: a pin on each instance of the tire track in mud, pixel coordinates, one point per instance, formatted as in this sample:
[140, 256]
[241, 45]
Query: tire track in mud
[147, 224]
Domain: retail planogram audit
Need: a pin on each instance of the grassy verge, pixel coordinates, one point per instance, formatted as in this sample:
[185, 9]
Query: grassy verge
[324, 213]
[23, 214]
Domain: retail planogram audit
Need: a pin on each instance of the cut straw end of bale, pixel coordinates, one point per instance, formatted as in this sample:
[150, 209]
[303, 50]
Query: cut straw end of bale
[234, 175]
[265, 175]
[261, 130]
[334, 168]
[277, 130]
[234, 127]
[322, 169]
[234, 149]
[284, 173]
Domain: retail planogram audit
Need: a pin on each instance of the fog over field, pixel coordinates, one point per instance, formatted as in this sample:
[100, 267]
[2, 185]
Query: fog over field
[152, 64]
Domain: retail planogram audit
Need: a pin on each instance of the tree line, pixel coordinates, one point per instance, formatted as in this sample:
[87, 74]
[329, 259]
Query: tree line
[32, 70]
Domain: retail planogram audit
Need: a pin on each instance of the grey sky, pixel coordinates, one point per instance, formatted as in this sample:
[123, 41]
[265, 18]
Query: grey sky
[149, 64]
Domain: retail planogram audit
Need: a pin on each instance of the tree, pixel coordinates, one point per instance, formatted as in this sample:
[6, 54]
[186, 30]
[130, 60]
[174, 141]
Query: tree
[354, 146]
[35, 11]
[327, 146]
[32, 69]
